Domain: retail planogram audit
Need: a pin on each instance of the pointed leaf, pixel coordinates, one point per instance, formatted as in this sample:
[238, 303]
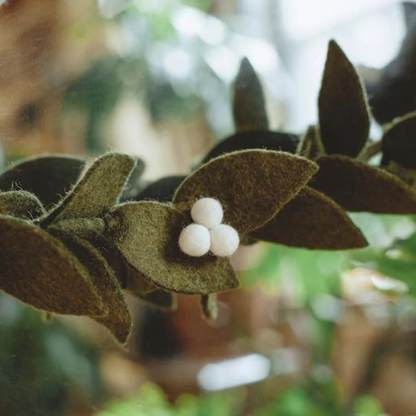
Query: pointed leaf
[343, 114]
[47, 177]
[147, 235]
[362, 188]
[312, 221]
[20, 204]
[133, 186]
[311, 145]
[209, 307]
[162, 190]
[39, 270]
[118, 320]
[98, 190]
[249, 107]
[251, 185]
[399, 142]
[254, 139]
[160, 299]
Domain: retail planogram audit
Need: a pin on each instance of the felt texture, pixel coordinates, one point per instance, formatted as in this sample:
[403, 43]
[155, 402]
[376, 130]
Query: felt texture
[209, 307]
[147, 234]
[343, 114]
[118, 319]
[252, 186]
[47, 177]
[310, 146]
[399, 142]
[362, 188]
[39, 270]
[98, 189]
[254, 139]
[20, 204]
[162, 190]
[312, 221]
[249, 107]
[160, 299]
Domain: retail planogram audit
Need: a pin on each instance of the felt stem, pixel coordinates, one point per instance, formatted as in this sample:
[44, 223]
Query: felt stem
[209, 307]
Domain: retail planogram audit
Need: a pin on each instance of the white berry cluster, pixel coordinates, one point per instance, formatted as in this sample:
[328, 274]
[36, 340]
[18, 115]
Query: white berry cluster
[207, 233]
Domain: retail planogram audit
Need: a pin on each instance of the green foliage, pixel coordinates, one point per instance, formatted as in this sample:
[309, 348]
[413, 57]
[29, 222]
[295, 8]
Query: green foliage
[367, 406]
[151, 401]
[43, 365]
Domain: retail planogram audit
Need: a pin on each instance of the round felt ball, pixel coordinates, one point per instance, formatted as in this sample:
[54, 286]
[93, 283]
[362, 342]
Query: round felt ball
[224, 240]
[208, 212]
[195, 240]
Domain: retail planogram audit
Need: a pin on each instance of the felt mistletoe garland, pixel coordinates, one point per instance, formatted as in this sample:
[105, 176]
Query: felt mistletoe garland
[344, 122]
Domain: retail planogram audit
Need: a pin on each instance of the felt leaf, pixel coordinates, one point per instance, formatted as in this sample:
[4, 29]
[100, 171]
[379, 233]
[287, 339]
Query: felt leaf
[311, 145]
[118, 319]
[343, 114]
[47, 177]
[38, 269]
[249, 107]
[362, 188]
[20, 204]
[209, 307]
[162, 190]
[399, 142]
[160, 299]
[312, 221]
[254, 139]
[98, 190]
[147, 234]
[251, 185]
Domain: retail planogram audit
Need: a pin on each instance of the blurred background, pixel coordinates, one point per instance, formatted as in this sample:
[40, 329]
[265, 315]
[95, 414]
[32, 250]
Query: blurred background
[309, 333]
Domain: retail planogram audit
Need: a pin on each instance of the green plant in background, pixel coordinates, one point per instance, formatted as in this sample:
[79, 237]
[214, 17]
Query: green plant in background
[151, 401]
[44, 366]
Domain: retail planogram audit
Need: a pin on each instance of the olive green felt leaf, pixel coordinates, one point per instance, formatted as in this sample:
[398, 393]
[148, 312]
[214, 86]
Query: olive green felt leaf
[311, 145]
[161, 190]
[98, 189]
[312, 221]
[343, 113]
[249, 107]
[399, 142]
[118, 319]
[254, 139]
[160, 299]
[38, 269]
[47, 177]
[147, 235]
[20, 204]
[251, 185]
[362, 188]
[209, 307]
[134, 183]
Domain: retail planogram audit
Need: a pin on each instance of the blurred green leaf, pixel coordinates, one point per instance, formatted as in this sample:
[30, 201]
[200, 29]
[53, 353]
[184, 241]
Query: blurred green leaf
[367, 406]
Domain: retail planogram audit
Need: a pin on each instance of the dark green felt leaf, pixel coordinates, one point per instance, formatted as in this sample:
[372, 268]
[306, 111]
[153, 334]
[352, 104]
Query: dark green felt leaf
[251, 185]
[147, 235]
[310, 146]
[98, 190]
[20, 204]
[362, 188]
[161, 190]
[399, 142]
[254, 139]
[38, 269]
[160, 299]
[209, 307]
[312, 221]
[47, 177]
[343, 113]
[118, 319]
[249, 107]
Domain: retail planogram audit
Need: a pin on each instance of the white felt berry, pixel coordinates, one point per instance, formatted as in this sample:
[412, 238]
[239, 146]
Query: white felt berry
[208, 212]
[195, 240]
[224, 240]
